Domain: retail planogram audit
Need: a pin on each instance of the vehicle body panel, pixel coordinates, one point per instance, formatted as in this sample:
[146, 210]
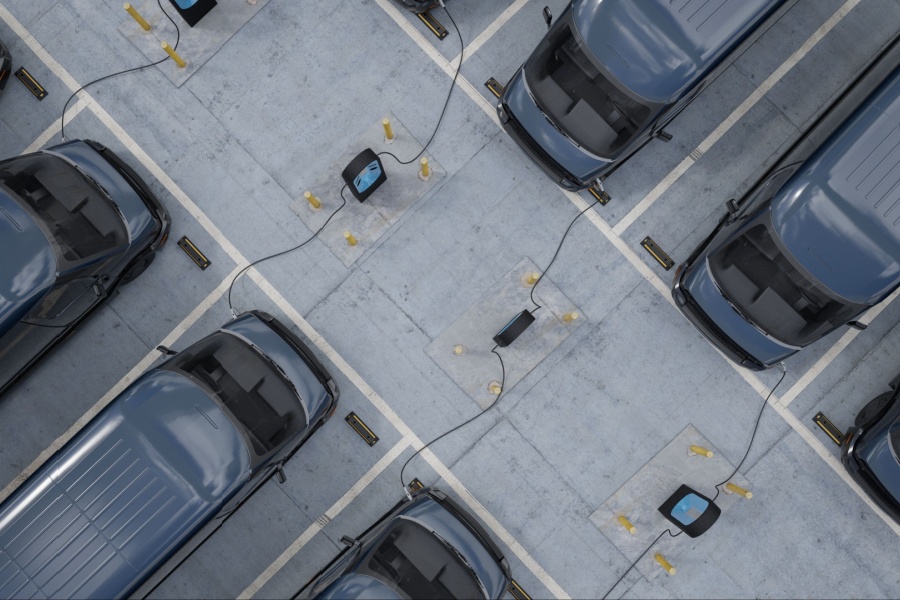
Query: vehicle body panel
[132, 208]
[161, 462]
[829, 217]
[838, 215]
[871, 462]
[661, 54]
[447, 521]
[29, 267]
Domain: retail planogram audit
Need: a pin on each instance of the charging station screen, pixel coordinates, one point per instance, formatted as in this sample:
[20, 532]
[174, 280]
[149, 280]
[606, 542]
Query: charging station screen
[689, 509]
[367, 176]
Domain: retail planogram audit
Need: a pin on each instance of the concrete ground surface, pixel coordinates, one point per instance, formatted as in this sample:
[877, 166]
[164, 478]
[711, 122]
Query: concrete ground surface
[267, 115]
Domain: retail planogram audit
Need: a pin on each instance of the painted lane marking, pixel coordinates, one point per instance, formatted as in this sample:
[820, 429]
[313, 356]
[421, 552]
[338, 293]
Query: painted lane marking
[232, 251]
[317, 525]
[55, 127]
[734, 117]
[117, 389]
[491, 29]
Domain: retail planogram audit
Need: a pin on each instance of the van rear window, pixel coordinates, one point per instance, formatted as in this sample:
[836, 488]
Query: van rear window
[260, 399]
[77, 217]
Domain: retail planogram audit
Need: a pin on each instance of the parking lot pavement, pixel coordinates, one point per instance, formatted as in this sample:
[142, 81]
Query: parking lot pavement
[228, 153]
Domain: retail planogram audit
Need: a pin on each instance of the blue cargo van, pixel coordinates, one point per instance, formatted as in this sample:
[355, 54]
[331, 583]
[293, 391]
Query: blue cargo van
[611, 74]
[815, 242]
[163, 465]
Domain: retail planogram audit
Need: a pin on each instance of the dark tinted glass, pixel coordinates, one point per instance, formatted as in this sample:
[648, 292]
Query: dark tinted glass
[572, 89]
[258, 396]
[420, 565]
[769, 290]
[77, 216]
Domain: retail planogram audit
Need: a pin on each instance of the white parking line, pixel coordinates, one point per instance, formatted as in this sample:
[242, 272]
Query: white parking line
[663, 289]
[132, 375]
[836, 349]
[317, 525]
[55, 127]
[734, 117]
[491, 29]
[273, 294]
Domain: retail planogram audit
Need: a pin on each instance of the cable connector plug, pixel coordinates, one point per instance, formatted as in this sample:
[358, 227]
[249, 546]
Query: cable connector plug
[234, 313]
[408, 491]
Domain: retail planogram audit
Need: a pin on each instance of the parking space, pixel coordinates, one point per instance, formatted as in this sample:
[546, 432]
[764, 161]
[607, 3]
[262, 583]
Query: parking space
[232, 149]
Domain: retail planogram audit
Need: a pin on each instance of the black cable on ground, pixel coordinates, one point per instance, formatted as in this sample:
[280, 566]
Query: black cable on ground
[462, 49]
[62, 118]
[628, 570]
[464, 423]
[555, 254]
[289, 250]
[753, 435]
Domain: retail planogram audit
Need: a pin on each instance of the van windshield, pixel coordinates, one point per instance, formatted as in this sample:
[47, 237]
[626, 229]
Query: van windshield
[418, 563]
[572, 89]
[78, 218]
[264, 403]
[767, 288]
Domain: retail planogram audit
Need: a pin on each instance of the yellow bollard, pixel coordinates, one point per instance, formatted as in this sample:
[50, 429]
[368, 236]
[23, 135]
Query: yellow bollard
[459, 349]
[350, 239]
[494, 388]
[313, 201]
[627, 525]
[731, 488]
[666, 565]
[569, 317]
[530, 279]
[137, 17]
[171, 52]
[388, 132]
[424, 172]
[699, 450]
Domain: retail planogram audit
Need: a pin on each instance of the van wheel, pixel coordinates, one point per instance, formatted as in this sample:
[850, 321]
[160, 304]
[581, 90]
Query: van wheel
[873, 410]
[138, 267]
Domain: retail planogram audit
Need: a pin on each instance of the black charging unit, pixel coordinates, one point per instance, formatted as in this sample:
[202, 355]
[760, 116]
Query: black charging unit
[690, 511]
[514, 329]
[364, 174]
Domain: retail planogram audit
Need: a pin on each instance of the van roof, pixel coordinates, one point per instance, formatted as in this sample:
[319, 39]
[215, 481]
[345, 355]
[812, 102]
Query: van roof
[104, 513]
[839, 215]
[658, 48]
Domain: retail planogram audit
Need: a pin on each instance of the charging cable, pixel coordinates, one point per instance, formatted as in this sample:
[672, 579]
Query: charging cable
[555, 254]
[628, 570]
[718, 485]
[283, 252]
[753, 435]
[462, 49]
[62, 117]
[406, 489]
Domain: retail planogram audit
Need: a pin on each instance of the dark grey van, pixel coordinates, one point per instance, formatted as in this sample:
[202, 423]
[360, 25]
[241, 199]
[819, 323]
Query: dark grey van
[76, 222]
[815, 242]
[164, 464]
[611, 74]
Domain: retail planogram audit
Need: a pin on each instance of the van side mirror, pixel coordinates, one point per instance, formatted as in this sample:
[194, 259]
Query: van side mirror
[664, 135]
[732, 206]
[166, 350]
[548, 16]
[347, 540]
[857, 325]
[279, 474]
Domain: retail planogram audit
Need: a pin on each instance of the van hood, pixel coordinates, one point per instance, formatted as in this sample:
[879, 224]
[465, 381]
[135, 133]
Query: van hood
[659, 48]
[571, 157]
[27, 262]
[701, 286]
[112, 505]
[840, 215]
